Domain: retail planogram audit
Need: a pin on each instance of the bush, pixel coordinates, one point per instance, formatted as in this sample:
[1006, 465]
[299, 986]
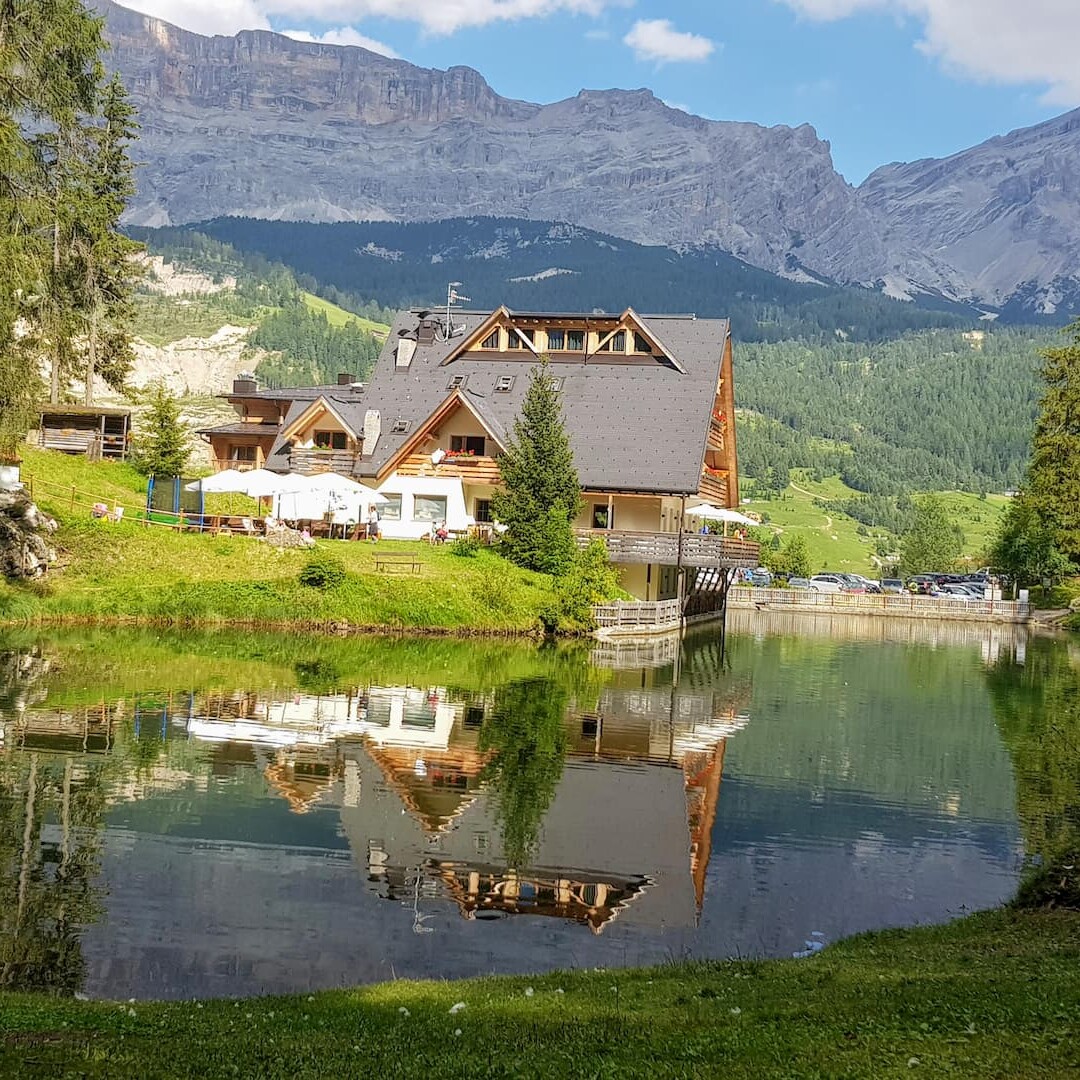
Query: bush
[590, 580]
[322, 571]
[465, 546]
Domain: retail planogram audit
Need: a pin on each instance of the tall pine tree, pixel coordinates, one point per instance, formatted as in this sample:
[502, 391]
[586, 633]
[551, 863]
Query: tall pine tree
[1053, 488]
[541, 495]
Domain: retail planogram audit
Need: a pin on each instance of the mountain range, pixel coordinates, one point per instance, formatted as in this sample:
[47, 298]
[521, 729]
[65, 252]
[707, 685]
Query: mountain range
[259, 125]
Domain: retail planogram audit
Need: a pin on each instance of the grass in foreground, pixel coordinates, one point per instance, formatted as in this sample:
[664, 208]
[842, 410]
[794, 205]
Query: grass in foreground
[992, 995]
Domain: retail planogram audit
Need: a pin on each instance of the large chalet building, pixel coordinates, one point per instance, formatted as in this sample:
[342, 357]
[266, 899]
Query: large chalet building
[647, 402]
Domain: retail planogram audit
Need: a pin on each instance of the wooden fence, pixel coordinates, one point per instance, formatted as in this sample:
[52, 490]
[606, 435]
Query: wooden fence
[909, 606]
[645, 614]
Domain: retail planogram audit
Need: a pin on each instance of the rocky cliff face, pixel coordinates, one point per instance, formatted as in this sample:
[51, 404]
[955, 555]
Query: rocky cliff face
[1001, 219]
[260, 125]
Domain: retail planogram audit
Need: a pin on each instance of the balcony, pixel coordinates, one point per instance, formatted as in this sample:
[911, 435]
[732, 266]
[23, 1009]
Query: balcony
[309, 462]
[470, 469]
[663, 549]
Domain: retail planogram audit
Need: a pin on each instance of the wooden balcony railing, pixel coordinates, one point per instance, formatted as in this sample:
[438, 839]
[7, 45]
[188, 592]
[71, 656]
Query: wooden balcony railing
[664, 549]
[320, 461]
[477, 469]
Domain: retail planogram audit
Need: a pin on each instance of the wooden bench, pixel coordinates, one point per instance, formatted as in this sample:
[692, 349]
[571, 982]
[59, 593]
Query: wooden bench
[402, 561]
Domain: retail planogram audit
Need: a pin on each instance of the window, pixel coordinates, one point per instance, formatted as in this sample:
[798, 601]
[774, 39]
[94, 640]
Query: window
[615, 343]
[331, 440]
[556, 340]
[474, 716]
[504, 384]
[482, 511]
[467, 444]
[243, 453]
[601, 519]
[429, 508]
[514, 336]
[556, 383]
[391, 509]
[641, 344]
[491, 341]
[456, 381]
[400, 427]
[575, 340]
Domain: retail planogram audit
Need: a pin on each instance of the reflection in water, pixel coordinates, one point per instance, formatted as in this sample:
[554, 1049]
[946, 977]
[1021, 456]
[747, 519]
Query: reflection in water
[337, 812]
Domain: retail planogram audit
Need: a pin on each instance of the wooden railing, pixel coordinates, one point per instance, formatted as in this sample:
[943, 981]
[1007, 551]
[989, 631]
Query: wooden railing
[664, 549]
[899, 606]
[221, 464]
[92, 443]
[477, 469]
[638, 613]
[320, 461]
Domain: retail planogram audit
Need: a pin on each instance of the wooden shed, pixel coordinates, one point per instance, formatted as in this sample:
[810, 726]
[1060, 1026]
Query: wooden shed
[98, 431]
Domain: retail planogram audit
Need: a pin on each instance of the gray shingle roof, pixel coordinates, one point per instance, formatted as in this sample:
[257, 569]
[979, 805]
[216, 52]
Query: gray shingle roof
[633, 427]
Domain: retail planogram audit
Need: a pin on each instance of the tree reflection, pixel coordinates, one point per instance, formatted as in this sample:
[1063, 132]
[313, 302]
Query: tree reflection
[1037, 708]
[526, 738]
[51, 817]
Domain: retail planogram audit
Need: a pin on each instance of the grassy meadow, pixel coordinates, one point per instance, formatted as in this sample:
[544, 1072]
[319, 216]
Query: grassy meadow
[128, 571]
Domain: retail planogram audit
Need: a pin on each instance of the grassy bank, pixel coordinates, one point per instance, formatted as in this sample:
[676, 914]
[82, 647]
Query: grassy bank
[126, 571]
[991, 995]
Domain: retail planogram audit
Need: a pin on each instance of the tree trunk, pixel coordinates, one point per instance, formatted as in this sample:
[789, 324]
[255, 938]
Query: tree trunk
[91, 355]
[54, 377]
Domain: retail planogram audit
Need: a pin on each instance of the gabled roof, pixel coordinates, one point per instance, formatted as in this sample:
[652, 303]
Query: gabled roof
[633, 426]
[321, 403]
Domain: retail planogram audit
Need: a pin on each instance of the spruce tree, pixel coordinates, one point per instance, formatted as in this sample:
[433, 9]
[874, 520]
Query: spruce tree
[1053, 487]
[164, 440]
[541, 495]
[935, 540]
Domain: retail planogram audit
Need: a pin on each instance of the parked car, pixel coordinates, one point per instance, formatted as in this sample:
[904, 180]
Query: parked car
[952, 590]
[826, 583]
[799, 583]
[892, 585]
[851, 582]
[868, 585]
[761, 578]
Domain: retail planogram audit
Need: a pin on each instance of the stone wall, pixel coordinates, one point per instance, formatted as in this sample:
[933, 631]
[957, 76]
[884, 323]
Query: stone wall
[25, 551]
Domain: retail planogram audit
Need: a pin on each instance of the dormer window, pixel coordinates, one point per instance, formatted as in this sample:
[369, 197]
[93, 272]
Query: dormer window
[615, 343]
[400, 427]
[504, 384]
[491, 341]
[556, 340]
[575, 340]
[514, 337]
[641, 344]
[456, 382]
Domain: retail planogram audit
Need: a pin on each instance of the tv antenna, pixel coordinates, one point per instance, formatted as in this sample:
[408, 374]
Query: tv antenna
[453, 297]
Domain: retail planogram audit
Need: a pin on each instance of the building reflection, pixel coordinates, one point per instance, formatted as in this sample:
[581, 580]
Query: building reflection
[408, 770]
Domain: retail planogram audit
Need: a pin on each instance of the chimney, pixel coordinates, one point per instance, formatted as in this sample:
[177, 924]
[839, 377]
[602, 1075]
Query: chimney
[406, 347]
[345, 378]
[245, 385]
[372, 430]
[425, 335]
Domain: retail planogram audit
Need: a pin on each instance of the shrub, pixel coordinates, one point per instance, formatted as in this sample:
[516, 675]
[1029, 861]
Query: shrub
[590, 580]
[465, 546]
[322, 571]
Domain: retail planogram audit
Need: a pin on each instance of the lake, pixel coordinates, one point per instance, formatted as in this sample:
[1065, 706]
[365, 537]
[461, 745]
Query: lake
[229, 814]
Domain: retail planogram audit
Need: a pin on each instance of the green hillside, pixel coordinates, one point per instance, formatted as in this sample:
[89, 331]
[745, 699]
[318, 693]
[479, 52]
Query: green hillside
[838, 541]
[338, 316]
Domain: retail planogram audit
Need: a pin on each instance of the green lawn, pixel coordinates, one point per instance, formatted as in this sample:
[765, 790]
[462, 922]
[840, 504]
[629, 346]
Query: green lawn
[127, 570]
[833, 539]
[993, 995]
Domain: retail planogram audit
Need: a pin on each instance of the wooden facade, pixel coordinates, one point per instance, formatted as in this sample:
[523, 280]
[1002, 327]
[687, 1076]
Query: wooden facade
[98, 432]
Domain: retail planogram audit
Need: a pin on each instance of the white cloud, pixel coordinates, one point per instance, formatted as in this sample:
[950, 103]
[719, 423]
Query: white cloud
[433, 16]
[1005, 41]
[343, 35]
[658, 40]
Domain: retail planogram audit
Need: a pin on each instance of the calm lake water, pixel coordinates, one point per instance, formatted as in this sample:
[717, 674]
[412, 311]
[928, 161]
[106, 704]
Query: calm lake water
[231, 814]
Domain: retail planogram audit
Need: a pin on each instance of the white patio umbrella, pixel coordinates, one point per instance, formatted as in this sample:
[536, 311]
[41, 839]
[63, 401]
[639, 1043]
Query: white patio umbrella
[720, 513]
[230, 480]
[262, 483]
[343, 485]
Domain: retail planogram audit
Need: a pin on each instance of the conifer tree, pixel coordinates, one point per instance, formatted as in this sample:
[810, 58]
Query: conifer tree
[1053, 488]
[164, 441]
[935, 540]
[541, 495]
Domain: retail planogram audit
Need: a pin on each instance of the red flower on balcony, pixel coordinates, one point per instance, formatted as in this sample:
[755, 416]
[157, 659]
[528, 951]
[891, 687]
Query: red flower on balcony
[453, 454]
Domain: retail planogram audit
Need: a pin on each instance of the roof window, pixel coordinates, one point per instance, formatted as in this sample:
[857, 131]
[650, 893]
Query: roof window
[555, 383]
[504, 384]
[456, 382]
[400, 427]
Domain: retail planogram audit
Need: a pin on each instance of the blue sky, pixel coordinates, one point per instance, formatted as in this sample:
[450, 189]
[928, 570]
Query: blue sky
[882, 80]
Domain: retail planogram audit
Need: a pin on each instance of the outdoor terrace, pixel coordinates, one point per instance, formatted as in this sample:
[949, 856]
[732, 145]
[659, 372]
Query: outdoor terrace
[673, 549]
